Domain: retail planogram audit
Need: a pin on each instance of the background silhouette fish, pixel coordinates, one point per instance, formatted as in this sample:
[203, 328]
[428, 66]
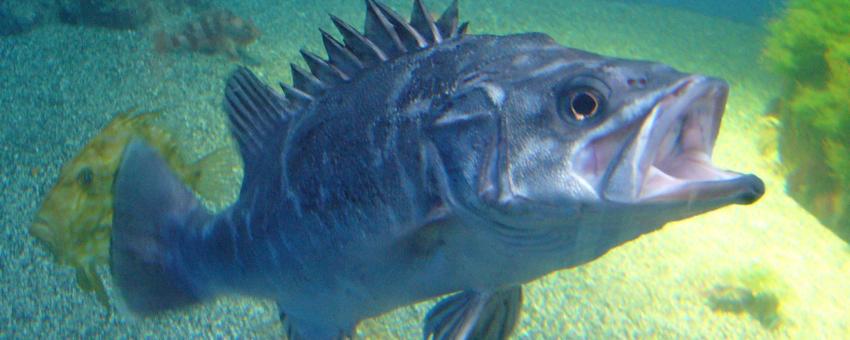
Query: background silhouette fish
[214, 31]
[75, 217]
[419, 161]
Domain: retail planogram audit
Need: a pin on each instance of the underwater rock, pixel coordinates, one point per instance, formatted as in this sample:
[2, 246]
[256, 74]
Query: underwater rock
[17, 17]
[115, 14]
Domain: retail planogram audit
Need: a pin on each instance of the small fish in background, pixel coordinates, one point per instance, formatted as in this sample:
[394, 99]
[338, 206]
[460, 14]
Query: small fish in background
[75, 218]
[216, 31]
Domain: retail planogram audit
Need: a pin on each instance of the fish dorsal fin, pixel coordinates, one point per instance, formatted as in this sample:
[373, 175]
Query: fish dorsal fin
[306, 81]
[448, 22]
[386, 36]
[423, 22]
[359, 44]
[410, 38]
[322, 70]
[381, 32]
[257, 115]
[339, 56]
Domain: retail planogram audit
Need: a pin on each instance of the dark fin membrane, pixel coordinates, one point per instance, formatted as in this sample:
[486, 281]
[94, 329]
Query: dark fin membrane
[472, 315]
[258, 119]
[463, 28]
[379, 30]
[306, 82]
[423, 22]
[410, 38]
[447, 24]
[153, 215]
[358, 44]
[328, 74]
[296, 96]
[386, 36]
[341, 57]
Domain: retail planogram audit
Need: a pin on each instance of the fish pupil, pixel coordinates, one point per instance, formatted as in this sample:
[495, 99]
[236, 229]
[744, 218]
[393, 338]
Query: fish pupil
[583, 105]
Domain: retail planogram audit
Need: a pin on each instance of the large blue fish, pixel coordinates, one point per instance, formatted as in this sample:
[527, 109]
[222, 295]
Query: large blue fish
[417, 161]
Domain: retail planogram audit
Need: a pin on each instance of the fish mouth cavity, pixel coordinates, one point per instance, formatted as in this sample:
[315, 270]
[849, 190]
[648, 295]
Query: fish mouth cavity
[679, 135]
[667, 156]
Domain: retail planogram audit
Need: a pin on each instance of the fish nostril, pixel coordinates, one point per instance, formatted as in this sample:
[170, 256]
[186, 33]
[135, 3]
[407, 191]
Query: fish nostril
[636, 82]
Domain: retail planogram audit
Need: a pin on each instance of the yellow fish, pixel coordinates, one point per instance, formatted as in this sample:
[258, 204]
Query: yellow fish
[75, 218]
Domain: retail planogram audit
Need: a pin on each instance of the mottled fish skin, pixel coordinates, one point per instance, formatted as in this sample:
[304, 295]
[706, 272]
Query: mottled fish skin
[75, 216]
[429, 162]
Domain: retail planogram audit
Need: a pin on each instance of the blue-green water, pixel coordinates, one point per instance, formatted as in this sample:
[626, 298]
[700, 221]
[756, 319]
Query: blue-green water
[61, 83]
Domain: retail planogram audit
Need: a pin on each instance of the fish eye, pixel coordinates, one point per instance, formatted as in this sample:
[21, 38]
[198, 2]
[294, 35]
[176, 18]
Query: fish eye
[85, 176]
[580, 103]
[584, 104]
[582, 98]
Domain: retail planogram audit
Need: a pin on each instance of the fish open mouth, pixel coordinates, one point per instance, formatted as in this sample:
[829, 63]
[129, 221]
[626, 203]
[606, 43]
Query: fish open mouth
[668, 157]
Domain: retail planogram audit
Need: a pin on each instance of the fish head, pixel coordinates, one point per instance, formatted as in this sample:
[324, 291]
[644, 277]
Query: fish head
[75, 216]
[594, 145]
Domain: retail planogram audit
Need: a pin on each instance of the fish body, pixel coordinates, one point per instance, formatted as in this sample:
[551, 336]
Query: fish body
[214, 31]
[419, 161]
[75, 217]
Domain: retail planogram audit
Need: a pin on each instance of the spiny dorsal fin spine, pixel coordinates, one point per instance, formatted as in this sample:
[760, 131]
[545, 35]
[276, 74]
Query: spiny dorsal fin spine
[411, 39]
[357, 51]
[296, 96]
[328, 74]
[341, 57]
[306, 82]
[462, 29]
[423, 22]
[381, 32]
[369, 53]
[447, 24]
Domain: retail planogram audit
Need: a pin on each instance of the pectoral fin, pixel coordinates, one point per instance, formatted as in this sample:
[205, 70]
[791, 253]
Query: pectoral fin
[89, 281]
[475, 315]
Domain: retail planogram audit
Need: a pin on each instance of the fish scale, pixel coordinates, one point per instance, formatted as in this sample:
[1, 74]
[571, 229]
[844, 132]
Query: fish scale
[418, 161]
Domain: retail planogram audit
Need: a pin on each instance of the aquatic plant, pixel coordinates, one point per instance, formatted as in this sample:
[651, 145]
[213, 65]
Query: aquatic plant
[75, 218]
[810, 46]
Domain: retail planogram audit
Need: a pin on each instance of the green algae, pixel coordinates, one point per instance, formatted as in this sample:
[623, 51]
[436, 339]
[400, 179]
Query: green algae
[810, 46]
